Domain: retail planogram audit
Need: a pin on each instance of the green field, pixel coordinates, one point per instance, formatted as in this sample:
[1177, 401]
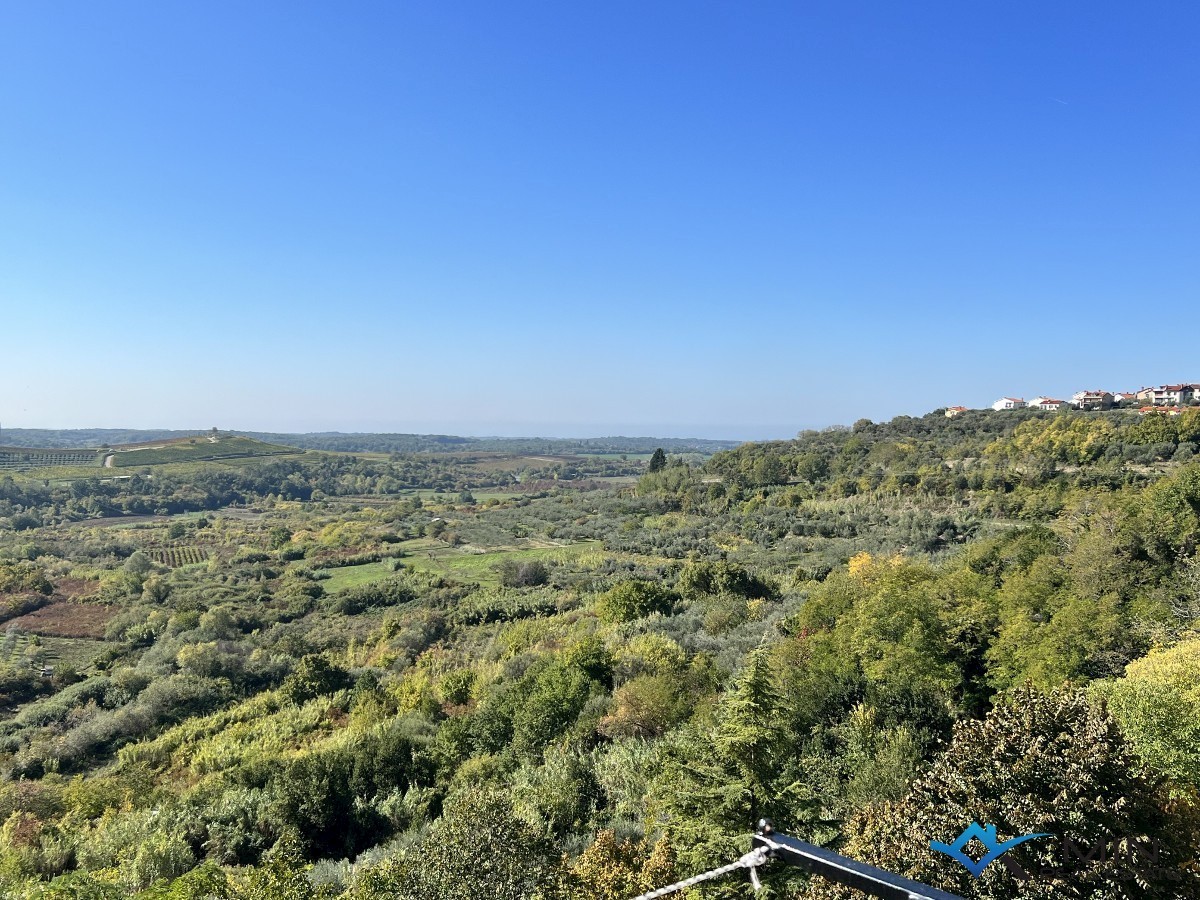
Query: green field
[197, 450]
[353, 576]
[480, 567]
[56, 474]
[192, 455]
[21, 648]
[427, 555]
[642, 456]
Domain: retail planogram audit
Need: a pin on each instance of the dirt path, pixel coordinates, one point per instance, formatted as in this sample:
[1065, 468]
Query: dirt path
[108, 460]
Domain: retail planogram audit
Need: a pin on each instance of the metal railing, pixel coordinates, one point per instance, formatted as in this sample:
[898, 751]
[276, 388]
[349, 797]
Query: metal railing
[850, 872]
[770, 845]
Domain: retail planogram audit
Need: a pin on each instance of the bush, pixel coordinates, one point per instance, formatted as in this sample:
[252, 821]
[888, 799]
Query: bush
[314, 676]
[631, 600]
[479, 848]
[387, 592]
[523, 573]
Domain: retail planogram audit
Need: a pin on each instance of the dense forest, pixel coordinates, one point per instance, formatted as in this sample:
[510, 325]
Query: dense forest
[438, 676]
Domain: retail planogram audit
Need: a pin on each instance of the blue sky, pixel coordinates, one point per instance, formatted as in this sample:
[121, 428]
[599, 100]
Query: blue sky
[720, 219]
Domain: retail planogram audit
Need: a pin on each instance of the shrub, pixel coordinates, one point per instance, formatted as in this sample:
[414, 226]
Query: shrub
[314, 676]
[523, 573]
[631, 600]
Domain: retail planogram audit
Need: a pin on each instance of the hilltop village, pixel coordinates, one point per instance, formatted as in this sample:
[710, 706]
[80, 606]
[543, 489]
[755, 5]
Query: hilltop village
[1165, 399]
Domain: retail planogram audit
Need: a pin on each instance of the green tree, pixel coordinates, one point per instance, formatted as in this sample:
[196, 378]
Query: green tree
[314, 676]
[720, 577]
[23, 576]
[1157, 704]
[207, 881]
[718, 781]
[631, 600]
[658, 461]
[1037, 764]
[615, 870]
[281, 876]
[138, 564]
[647, 706]
[479, 848]
[552, 702]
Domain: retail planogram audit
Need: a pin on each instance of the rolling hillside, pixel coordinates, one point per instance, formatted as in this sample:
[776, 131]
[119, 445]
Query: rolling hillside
[195, 449]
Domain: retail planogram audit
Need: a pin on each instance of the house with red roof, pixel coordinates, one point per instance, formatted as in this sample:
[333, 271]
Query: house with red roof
[1049, 404]
[1092, 400]
[1170, 394]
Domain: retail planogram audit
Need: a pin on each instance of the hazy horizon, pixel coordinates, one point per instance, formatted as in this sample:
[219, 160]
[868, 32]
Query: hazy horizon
[548, 432]
[564, 430]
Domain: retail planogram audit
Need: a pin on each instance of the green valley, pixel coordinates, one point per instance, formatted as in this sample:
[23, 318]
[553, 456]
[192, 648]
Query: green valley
[281, 674]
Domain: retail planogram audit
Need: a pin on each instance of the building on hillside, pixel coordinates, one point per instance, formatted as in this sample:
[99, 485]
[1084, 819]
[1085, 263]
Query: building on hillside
[1125, 397]
[1163, 410]
[952, 411]
[1170, 394]
[1049, 404]
[1008, 403]
[1092, 400]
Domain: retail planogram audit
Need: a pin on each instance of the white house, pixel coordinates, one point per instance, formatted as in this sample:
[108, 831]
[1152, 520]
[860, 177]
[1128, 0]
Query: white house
[1049, 404]
[1170, 394]
[1008, 403]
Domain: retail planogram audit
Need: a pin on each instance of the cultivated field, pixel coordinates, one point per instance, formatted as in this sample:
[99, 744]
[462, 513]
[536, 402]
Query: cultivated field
[174, 557]
[65, 619]
[20, 458]
[200, 449]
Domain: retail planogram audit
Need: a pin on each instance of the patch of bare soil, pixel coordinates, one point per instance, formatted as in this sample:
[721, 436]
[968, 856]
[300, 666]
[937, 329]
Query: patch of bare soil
[75, 588]
[64, 618]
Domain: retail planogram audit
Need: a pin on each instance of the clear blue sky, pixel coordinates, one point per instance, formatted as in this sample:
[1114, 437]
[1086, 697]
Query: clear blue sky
[724, 219]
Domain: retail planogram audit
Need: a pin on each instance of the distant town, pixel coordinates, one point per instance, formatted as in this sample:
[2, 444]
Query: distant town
[1166, 399]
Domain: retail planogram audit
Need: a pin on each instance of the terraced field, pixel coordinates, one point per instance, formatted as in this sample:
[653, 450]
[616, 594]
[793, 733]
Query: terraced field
[24, 650]
[178, 556]
[19, 458]
[196, 450]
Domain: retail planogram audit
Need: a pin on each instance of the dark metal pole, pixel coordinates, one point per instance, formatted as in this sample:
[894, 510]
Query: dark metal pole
[842, 869]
